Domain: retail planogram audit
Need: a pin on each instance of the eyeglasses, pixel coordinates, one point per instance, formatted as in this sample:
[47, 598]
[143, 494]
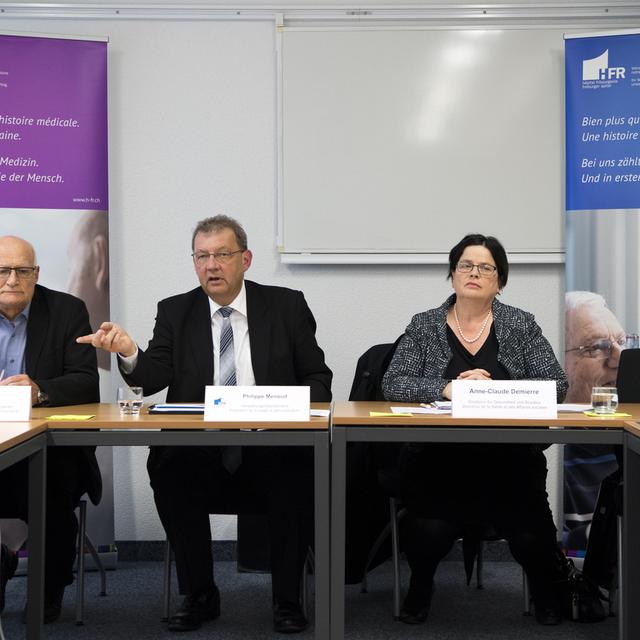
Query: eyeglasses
[602, 349]
[484, 269]
[202, 257]
[24, 273]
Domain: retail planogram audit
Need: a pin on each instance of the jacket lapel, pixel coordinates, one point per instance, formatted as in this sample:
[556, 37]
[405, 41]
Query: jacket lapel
[37, 327]
[200, 340]
[259, 331]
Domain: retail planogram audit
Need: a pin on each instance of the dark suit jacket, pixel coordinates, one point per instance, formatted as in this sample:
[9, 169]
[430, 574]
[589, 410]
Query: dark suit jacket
[63, 369]
[284, 350]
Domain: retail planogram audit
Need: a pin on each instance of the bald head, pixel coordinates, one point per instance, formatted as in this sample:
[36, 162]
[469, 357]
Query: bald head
[14, 243]
[16, 291]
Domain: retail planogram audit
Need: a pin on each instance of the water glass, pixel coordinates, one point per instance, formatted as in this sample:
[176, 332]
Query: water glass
[130, 400]
[604, 400]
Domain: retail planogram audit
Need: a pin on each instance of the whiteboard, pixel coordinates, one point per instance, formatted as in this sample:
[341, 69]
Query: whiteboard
[403, 140]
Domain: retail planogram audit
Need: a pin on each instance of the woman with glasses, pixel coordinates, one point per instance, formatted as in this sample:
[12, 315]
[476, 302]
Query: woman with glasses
[456, 490]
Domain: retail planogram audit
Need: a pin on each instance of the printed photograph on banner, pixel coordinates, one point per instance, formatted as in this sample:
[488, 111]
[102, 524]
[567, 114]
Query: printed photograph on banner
[72, 249]
[602, 311]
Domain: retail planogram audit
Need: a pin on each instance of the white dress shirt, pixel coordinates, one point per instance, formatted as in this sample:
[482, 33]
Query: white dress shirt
[241, 346]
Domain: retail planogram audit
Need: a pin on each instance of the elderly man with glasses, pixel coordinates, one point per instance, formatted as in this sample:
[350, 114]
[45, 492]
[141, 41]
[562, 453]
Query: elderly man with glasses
[594, 340]
[38, 328]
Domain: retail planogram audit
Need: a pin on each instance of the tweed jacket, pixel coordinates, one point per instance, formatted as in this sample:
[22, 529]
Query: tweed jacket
[417, 368]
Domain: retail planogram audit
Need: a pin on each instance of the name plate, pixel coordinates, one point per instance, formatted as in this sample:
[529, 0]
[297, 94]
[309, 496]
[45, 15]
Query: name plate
[242, 404]
[15, 404]
[503, 399]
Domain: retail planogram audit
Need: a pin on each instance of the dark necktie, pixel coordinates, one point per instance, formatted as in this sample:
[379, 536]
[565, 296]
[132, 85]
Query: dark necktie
[231, 455]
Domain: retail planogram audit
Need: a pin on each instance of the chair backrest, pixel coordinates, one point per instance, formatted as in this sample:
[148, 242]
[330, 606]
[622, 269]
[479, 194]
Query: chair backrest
[628, 381]
[371, 367]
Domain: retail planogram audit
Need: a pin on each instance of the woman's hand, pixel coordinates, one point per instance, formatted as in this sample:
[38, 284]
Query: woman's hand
[475, 374]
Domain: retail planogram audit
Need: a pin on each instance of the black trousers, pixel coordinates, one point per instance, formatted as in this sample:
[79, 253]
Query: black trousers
[452, 491]
[189, 483]
[65, 485]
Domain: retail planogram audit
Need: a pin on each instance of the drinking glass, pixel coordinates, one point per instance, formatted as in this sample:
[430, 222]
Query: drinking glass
[604, 400]
[129, 400]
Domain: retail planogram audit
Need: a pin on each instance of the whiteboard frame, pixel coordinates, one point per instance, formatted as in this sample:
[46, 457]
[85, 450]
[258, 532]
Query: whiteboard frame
[507, 17]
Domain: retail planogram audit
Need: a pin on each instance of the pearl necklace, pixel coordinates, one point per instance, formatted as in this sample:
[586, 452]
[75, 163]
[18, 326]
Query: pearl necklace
[467, 340]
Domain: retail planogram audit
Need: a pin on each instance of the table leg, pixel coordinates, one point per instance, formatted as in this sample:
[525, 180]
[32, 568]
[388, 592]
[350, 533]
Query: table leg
[338, 517]
[37, 518]
[322, 533]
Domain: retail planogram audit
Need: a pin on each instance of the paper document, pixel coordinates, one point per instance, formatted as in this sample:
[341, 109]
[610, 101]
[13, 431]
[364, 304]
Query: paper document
[420, 409]
[573, 408]
[175, 407]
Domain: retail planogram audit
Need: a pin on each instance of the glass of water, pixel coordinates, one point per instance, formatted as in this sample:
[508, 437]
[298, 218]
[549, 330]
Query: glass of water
[604, 400]
[129, 400]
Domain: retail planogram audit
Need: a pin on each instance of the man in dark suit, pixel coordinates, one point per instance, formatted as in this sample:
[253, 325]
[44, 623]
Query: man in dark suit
[272, 334]
[38, 328]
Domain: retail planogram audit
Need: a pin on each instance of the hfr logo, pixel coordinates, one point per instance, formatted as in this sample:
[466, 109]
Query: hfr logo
[599, 69]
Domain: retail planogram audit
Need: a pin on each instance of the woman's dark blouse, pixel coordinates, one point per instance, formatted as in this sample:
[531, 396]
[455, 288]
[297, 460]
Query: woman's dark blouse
[486, 357]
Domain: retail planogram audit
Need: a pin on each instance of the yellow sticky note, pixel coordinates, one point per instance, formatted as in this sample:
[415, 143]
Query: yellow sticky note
[593, 414]
[382, 414]
[71, 416]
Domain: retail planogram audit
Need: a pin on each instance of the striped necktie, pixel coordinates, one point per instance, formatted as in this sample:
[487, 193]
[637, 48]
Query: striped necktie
[231, 455]
[227, 355]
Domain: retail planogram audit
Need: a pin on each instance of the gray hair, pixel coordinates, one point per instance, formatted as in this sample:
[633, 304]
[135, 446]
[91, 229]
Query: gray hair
[573, 300]
[216, 224]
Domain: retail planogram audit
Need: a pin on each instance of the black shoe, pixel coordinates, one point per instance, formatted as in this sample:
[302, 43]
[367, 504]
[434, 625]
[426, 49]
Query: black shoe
[288, 618]
[548, 611]
[52, 606]
[194, 610]
[8, 566]
[415, 607]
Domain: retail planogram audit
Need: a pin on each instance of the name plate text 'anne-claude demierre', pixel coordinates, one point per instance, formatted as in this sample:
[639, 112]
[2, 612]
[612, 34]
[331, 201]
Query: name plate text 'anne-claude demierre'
[503, 399]
[286, 404]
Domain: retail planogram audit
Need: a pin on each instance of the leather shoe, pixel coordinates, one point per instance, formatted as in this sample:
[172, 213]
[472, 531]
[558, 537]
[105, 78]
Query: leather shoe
[548, 611]
[194, 610]
[288, 618]
[8, 566]
[52, 605]
[415, 607]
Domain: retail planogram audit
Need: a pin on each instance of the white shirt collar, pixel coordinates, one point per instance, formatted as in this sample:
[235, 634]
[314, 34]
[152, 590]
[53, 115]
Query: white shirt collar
[239, 304]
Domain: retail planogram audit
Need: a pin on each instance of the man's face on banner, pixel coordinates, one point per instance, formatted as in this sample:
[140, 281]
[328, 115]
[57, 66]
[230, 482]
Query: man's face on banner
[595, 329]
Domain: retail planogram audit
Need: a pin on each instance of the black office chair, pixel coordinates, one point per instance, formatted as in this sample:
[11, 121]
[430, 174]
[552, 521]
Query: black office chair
[628, 380]
[85, 544]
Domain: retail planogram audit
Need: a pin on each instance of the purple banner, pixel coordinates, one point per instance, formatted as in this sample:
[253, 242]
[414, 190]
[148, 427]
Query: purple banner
[53, 123]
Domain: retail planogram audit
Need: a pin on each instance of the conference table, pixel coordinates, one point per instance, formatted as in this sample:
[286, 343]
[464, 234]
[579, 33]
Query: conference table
[350, 422]
[362, 422]
[27, 441]
[107, 427]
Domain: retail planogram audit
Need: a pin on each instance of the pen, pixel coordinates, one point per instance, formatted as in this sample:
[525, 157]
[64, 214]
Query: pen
[1, 375]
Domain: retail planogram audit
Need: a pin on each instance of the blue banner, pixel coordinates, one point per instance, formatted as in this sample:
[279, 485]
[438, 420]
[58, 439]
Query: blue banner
[602, 78]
